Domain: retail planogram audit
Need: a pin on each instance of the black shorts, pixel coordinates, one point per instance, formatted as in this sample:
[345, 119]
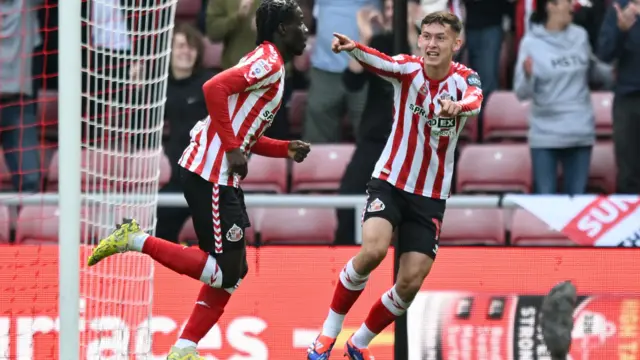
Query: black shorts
[416, 218]
[218, 211]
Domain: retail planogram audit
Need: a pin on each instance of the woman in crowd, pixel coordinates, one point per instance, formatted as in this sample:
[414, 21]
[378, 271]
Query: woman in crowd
[377, 118]
[183, 109]
[554, 67]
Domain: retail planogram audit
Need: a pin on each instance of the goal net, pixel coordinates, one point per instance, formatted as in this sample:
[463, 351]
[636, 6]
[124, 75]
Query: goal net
[125, 59]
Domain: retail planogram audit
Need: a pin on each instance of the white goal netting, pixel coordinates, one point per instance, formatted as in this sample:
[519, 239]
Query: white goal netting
[126, 54]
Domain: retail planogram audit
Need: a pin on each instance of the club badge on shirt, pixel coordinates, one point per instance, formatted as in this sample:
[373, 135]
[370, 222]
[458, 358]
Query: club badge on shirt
[258, 70]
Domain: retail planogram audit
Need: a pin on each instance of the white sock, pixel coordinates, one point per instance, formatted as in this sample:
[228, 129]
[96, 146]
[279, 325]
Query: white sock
[333, 324]
[212, 274]
[363, 337]
[137, 242]
[184, 343]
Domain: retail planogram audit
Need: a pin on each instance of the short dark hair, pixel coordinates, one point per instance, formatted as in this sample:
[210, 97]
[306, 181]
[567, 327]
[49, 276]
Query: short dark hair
[194, 39]
[443, 18]
[270, 14]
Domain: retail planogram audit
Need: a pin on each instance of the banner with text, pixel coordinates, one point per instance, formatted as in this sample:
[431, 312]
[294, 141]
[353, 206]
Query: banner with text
[588, 220]
[280, 308]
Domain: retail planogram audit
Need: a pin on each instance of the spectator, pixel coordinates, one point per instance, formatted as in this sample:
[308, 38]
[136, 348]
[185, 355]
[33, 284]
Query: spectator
[373, 132]
[553, 69]
[620, 41]
[328, 99]
[232, 22]
[483, 40]
[19, 36]
[183, 109]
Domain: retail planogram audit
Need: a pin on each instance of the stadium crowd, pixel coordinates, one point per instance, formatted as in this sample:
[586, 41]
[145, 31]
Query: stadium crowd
[561, 81]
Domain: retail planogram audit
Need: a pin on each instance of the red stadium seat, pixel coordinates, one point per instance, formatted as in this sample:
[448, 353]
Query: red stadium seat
[5, 224]
[39, 225]
[188, 234]
[528, 230]
[505, 117]
[104, 170]
[473, 227]
[494, 168]
[603, 170]
[296, 226]
[602, 107]
[323, 168]
[266, 175]
[212, 55]
[297, 106]
[188, 9]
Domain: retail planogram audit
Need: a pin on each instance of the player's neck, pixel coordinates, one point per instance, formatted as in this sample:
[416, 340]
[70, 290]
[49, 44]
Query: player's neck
[437, 72]
[180, 74]
[286, 57]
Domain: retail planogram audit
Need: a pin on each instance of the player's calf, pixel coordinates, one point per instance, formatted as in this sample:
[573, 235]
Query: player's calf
[414, 268]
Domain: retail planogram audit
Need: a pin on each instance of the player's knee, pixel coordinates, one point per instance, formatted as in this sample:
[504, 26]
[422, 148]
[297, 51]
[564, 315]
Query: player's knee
[410, 279]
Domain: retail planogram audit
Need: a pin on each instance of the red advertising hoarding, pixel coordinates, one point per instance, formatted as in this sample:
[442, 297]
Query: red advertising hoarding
[280, 307]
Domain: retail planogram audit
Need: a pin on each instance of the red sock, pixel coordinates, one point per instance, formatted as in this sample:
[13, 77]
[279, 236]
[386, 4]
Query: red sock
[349, 287]
[379, 317]
[188, 261]
[385, 311]
[209, 307]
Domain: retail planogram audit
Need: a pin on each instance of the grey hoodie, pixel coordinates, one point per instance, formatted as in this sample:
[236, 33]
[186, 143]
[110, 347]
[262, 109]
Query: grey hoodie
[561, 111]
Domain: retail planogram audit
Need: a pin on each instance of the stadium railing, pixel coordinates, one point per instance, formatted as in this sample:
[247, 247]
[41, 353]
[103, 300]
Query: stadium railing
[355, 202]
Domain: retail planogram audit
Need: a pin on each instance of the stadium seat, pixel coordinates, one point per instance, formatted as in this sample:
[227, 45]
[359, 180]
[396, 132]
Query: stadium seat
[494, 168]
[296, 226]
[139, 173]
[603, 170]
[323, 168]
[505, 117]
[5, 224]
[266, 175]
[103, 170]
[602, 107]
[188, 234]
[473, 227]
[39, 225]
[212, 55]
[528, 230]
[188, 9]
[297, 106]
[469, 133]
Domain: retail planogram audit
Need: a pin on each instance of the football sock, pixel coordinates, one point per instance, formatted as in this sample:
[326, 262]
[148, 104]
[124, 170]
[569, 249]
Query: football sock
[381, 315]
[206, 313]
[347, 291]
[189, 261]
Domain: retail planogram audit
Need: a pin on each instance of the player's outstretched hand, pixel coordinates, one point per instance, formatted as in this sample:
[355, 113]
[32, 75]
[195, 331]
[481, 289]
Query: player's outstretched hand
[448, 108]
[342, 43]
[298, 150]
[237, 162]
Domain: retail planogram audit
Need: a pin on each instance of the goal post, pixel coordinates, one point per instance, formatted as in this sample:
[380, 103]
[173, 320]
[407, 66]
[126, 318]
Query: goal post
[114, 63]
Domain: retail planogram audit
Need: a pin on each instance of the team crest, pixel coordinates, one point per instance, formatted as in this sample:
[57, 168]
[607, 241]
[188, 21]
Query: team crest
[235, 233]
[375, 206]
[423, 89]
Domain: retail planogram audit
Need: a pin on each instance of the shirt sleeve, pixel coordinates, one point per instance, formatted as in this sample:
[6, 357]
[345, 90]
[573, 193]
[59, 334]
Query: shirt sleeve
[381, 64]
[246, 76]
[269, 147]
[472, 98]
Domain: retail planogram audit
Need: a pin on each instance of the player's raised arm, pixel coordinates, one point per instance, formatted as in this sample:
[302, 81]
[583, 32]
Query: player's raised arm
[371, 59]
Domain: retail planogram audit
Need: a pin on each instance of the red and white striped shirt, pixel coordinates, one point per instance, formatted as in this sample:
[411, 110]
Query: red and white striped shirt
[419, 155]
[242, 102]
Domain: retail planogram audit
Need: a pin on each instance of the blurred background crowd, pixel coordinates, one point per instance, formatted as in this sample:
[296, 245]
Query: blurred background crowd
[561, 81]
